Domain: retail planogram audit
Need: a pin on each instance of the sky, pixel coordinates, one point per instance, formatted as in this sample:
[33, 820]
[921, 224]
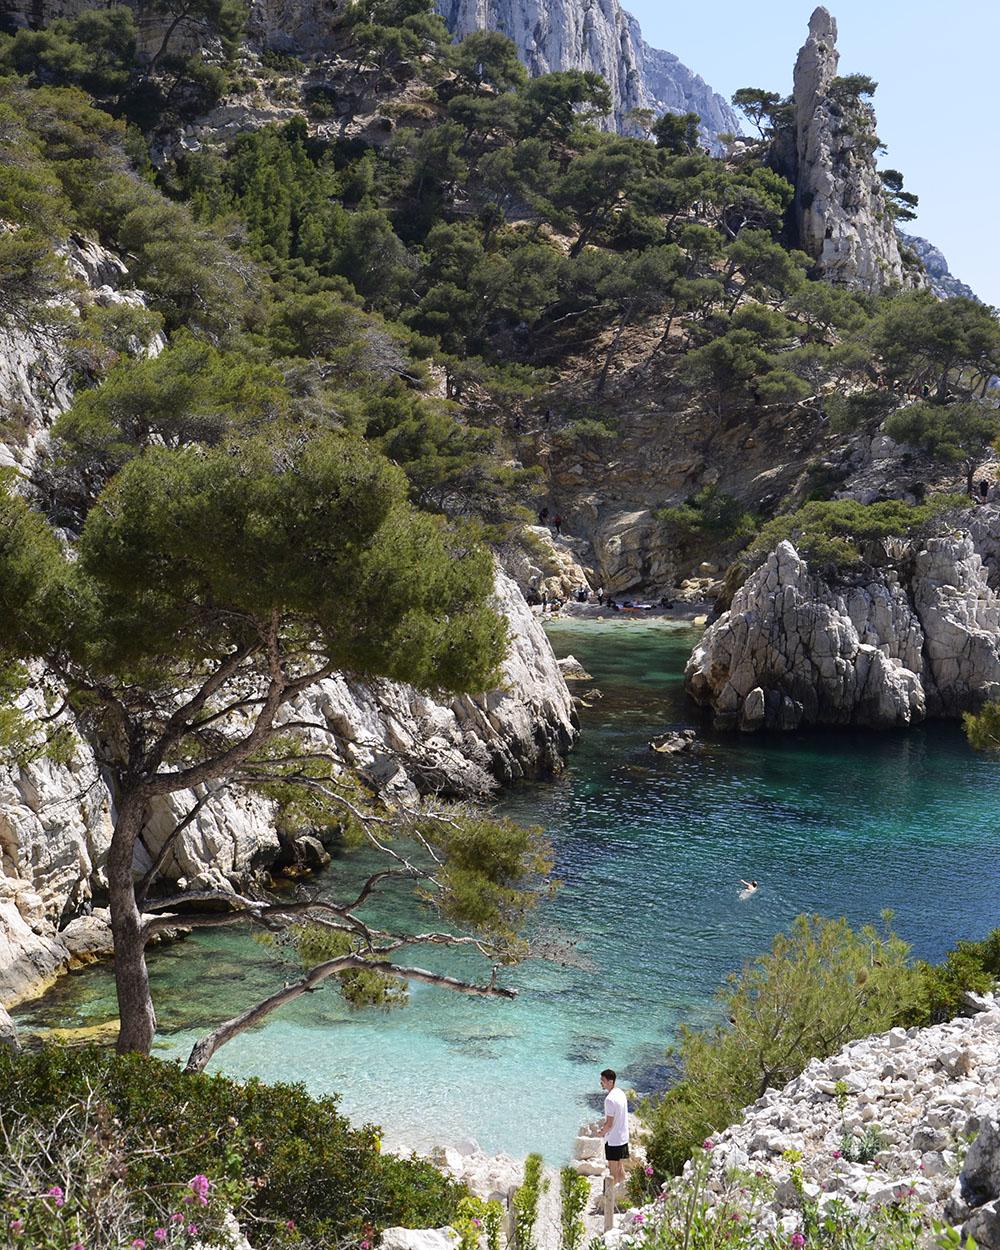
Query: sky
[938, 99]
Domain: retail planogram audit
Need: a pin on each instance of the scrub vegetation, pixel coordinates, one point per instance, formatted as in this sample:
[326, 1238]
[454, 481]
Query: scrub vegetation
[820, 986]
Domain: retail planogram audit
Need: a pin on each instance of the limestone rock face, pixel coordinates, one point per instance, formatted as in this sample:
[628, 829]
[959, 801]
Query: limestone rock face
[405, 740]
[35, 385]
[840, 207]
[301, 27]
[917, 637]
[56, 819]
[671, 87]
[596, 35]
[940, 279]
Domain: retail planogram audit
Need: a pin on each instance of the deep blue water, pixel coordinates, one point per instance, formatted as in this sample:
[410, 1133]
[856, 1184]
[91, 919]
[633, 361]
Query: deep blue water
[650, 850]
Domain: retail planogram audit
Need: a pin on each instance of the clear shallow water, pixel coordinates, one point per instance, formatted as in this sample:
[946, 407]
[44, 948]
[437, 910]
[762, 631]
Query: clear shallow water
[650, 850]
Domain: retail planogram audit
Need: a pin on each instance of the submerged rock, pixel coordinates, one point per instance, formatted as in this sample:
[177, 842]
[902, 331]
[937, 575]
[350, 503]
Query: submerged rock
[573, 670]
[676, 741]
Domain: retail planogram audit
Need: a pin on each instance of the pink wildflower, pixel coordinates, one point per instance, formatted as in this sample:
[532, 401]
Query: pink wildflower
[838, 1154]
[797, 1240]
[365, 1245]
[708, 1145]
[176, 1219]
[138, 1244]
[192, 1229]
[648, 1170]
[200, 1186]
[17, 1227]
[638, 1217]
[289, 1224]
[56, 1193]
[160, 1234]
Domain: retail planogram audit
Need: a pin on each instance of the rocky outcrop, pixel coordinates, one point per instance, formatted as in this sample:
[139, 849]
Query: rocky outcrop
[596, 35]
[909, 1099]
[671, 87]
[842, 218]
[917, 637]
[940, 279]
[36, 382]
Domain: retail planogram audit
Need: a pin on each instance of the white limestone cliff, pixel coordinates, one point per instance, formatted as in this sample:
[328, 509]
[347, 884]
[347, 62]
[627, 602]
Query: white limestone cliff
[55, 818]
[918, 637]
[596, 35]
[940, 279]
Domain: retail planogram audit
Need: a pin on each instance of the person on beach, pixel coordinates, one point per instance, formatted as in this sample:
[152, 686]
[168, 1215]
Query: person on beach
[614, 1130]
[751, 887]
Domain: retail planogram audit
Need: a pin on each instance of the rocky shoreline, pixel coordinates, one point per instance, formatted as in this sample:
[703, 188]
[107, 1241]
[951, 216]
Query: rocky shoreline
[926, 1101]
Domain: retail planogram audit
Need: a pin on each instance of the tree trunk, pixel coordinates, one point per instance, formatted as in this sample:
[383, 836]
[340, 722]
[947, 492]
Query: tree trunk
[612, 349]
[135, 1003]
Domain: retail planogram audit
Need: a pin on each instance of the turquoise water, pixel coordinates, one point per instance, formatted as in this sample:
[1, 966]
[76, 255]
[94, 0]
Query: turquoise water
[650, 850]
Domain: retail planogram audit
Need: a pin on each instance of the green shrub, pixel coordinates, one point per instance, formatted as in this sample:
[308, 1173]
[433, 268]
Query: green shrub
[525, 1202]
[834, 532]
[968, 966]
[282, 61]
[817, 988]
[710, 513]
[574, 1190]
[297, 1158]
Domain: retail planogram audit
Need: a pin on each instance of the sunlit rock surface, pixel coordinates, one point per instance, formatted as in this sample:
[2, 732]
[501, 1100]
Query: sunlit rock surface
[918, 636]
[596, 35]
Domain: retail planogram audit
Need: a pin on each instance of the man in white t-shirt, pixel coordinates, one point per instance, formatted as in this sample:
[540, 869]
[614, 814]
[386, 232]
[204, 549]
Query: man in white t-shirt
[614, 1130]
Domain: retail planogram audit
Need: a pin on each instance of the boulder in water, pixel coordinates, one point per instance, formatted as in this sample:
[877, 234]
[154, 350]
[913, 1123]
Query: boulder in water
[676, 741]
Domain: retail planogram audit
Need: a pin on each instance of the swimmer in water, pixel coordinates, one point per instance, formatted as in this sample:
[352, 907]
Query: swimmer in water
[751, 887]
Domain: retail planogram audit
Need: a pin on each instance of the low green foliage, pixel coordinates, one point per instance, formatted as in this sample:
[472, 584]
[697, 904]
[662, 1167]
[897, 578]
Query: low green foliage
[969, 965]
[276, 1155]
[834, 533]
[525, 1202]
[688, 1215]
[821, 985]
[479, 1223]
[574, 1191]
[712, 514]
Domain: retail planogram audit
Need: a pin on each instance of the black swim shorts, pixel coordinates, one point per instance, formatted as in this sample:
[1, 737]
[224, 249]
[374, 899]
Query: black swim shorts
[615, 1152]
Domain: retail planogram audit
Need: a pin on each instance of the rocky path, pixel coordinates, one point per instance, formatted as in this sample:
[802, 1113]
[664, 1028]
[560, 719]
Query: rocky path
[908, 1119]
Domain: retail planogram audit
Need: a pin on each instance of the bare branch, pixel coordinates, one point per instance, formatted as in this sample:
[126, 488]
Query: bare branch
[179, 723]
[205, 1047]
[175, 833]
[280, 690]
